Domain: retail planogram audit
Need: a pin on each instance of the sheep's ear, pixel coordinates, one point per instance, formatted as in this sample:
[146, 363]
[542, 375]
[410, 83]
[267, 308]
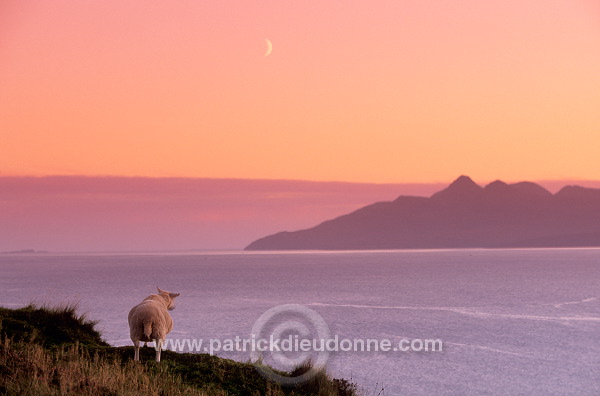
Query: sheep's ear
[159, 289]
[173, 295]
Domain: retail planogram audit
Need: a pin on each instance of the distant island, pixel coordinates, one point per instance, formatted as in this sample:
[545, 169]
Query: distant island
[25, 251]
[463, 215]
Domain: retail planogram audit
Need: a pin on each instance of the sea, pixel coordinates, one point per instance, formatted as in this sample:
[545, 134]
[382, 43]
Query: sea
[511, 321]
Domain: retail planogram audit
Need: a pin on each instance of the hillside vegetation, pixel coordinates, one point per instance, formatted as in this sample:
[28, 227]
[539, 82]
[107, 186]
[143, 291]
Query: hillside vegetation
[55, 351]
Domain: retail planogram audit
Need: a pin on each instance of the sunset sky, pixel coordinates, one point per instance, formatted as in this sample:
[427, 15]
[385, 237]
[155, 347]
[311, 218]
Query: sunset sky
[384, 91]
[389, 97]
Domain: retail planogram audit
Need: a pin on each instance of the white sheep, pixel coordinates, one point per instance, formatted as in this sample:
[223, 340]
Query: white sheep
[150, 321]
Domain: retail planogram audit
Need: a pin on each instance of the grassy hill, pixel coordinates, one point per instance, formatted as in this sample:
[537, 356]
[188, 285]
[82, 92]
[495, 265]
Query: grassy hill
[55, 351]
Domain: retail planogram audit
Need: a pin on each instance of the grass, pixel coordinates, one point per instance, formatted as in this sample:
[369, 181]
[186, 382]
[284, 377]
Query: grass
[55, 351]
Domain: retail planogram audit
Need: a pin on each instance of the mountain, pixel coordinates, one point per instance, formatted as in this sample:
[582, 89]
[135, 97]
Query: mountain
[463, 215]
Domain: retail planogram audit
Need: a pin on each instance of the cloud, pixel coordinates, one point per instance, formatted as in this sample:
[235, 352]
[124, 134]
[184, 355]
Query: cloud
[76, 213]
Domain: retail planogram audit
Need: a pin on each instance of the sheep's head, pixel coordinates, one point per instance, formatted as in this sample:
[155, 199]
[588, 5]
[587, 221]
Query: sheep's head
[169, 297]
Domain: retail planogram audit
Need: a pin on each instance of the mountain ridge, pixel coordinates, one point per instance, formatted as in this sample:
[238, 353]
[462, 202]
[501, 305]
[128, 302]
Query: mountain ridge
[463, 215]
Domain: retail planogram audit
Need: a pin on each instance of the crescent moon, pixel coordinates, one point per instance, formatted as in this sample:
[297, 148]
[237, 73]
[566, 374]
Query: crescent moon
[269, 47]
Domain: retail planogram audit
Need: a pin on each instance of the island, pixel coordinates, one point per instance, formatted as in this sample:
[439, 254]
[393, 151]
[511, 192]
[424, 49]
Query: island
[463, 215]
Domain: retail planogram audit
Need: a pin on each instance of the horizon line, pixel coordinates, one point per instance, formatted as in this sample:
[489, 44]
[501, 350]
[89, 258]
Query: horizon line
[283, 179]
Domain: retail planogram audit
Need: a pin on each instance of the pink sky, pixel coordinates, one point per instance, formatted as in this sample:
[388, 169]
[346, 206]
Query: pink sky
[129, 214]
[403, 93]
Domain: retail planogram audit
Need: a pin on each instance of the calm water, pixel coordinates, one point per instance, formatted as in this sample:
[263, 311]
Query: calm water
[512, 321]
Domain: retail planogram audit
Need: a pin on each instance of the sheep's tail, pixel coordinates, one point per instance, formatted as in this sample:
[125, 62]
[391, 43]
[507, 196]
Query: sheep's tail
[148, 329]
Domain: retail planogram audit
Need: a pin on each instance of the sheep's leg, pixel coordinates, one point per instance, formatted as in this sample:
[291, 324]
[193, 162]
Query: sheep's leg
[159, 345]
[136, 355]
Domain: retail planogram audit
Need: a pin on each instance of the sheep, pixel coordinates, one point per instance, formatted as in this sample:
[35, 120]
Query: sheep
[150, 321]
